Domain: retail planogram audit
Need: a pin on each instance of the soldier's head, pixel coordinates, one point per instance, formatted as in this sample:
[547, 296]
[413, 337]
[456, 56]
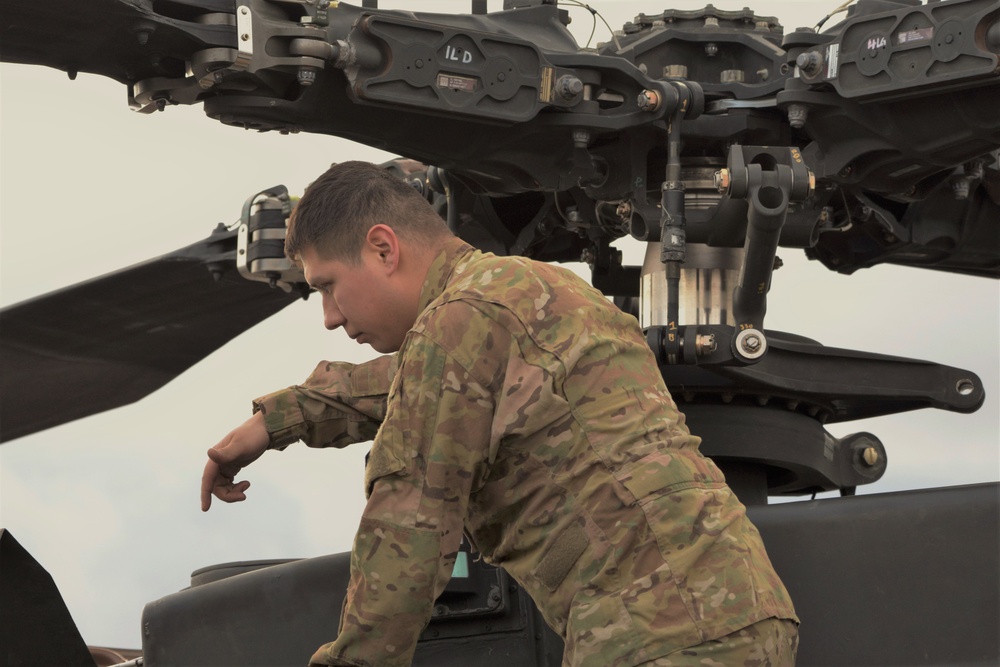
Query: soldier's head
[341, 206]
[365, 240]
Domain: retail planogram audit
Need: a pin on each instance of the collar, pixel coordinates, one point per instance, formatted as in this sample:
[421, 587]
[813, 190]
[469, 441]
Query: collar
[454, 253]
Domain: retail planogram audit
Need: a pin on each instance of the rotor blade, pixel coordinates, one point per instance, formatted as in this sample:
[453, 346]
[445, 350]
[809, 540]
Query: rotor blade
[112, 38]
[110, 341]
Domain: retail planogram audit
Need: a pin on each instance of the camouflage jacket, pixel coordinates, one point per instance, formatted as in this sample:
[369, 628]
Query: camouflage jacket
[529, 410]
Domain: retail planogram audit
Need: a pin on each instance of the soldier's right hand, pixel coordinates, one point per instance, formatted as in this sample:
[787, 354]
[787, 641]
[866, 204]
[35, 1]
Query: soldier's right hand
[241, 447]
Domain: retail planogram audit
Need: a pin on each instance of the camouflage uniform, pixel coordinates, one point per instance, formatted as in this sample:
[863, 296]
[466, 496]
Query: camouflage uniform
[529, 410]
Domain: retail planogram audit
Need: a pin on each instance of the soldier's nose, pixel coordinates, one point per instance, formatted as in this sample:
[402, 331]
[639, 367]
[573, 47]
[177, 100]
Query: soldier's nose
[332, 318]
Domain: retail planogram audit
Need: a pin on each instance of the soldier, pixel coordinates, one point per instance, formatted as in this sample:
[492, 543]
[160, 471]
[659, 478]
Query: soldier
[522, 408]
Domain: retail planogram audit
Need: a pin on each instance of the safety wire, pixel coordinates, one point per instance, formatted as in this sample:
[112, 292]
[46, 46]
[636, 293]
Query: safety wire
[836, 11]
[594, 15]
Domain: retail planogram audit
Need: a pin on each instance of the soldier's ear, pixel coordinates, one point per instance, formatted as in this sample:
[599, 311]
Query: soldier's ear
[382, 242]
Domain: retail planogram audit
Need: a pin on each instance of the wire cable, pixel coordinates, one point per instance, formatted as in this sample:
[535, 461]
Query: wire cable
[595, 15]
[836, 11]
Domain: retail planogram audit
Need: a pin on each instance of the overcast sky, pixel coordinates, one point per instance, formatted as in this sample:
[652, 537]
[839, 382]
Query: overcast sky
[109, 504]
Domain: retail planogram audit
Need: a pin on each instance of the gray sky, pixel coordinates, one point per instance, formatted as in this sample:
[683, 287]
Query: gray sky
[109, 504]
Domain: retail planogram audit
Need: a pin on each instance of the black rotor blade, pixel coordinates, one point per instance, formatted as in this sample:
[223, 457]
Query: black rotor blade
[110, 341]
[113, 38]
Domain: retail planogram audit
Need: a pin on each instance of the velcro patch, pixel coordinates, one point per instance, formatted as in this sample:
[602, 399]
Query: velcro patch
[559, 559]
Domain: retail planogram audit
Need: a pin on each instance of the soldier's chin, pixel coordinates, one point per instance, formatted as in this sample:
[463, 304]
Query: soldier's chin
[379, 346]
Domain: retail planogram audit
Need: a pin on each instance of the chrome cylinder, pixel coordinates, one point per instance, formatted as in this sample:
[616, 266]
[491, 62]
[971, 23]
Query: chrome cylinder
[708, 277]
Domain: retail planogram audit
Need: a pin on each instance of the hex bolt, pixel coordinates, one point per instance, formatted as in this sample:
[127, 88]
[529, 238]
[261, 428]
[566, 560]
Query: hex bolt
[705, 344]
[732, 76]
[306, 76]
[809, 63]
[568, 86]
[797, 115]
[722, 180]
[675, 71]
[961, 187]
[648, 100]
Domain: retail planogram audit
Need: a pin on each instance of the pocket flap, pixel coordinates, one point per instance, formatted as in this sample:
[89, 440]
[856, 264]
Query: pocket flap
[664, 471]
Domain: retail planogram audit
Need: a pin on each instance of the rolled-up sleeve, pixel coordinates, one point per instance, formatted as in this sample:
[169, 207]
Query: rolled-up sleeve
[338, 404]
[430, 455]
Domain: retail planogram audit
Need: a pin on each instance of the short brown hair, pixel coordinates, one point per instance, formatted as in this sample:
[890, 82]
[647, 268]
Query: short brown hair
[338, 208]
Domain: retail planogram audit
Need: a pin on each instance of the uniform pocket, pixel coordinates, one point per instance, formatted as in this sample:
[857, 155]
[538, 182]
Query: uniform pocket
[600, 633]
[666, 471]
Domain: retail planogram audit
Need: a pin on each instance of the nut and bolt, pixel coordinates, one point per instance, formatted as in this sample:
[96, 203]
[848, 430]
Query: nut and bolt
[649, 100]
[306, 76]
[675, 71]
[751, 343]
[568, 86]
[705, 344]
[870, 456]
[732, 76]
[797, 115]
[809, 63]
[722, 180]
[961, 188]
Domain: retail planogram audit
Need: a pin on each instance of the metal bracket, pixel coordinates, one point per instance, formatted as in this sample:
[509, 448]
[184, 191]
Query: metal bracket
[768, 178]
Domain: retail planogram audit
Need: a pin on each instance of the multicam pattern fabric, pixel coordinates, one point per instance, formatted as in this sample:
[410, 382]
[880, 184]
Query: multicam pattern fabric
[769, 643]
[529, 411]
